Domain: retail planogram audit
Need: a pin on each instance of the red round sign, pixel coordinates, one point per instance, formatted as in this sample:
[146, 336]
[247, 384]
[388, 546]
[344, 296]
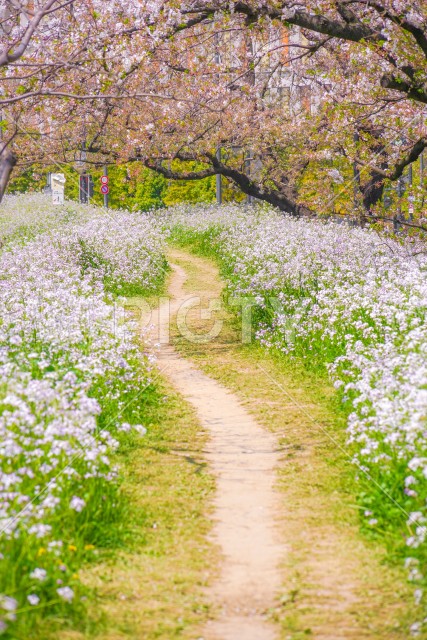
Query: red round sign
[104, 189]
[104, 179]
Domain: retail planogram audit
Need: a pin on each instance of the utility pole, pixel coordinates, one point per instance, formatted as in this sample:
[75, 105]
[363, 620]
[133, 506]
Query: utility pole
[398, 217]
[356, 174]
[218, 180]
[411, 197]
[421, 154]
[248, 171]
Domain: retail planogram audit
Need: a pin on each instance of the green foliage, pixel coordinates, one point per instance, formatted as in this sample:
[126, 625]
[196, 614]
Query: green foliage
[31, 179]
[193, 191]
[132, 186]
[150, 192]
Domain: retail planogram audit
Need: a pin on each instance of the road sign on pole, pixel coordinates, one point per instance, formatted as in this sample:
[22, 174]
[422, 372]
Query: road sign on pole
[104, 188]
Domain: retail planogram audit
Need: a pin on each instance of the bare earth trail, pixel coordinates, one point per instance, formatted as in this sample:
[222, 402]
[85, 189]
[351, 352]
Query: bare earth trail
[293, 564]
[242, 456]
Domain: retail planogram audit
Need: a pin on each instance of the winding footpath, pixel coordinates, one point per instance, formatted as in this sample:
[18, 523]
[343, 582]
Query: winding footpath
[293, 562]
[242, 456]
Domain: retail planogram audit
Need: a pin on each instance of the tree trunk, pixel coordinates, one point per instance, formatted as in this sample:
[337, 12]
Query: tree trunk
[7, 162]
[286, 202]
[372, 191]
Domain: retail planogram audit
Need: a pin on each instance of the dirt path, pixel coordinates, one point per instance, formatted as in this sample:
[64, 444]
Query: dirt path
[242, 456]
[335, 585]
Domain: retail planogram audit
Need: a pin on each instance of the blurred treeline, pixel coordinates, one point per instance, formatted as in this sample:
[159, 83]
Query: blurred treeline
[132, 186]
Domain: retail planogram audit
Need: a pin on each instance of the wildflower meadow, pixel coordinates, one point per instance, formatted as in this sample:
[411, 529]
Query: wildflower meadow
[71, 374]
[347, 302]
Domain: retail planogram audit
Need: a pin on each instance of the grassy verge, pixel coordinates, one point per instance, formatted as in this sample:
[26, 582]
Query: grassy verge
[71, 385]
[149, 583]
[151, 586]
[338, 583]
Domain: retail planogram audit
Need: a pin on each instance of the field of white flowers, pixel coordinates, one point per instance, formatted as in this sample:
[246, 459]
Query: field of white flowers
[71, 374]
[348, 302]
[355, 302]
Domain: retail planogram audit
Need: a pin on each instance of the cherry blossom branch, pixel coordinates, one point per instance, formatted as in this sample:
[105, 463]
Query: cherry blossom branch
[400, 20]
[92, 96]
[354, 31]
[6, 57]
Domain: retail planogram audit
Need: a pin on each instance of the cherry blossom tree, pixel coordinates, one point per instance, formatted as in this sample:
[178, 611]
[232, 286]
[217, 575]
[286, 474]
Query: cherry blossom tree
[298, 105]
[394, 30]
[283, 103]
[66, 65]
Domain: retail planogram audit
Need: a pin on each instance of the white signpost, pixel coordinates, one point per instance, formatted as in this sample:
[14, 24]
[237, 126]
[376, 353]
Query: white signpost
[58, 186]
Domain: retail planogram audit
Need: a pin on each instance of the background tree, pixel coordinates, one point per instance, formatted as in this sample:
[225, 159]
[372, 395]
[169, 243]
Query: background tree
[65, 67]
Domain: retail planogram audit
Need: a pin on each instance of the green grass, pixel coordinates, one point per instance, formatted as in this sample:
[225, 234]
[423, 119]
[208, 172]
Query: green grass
[151, 585]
